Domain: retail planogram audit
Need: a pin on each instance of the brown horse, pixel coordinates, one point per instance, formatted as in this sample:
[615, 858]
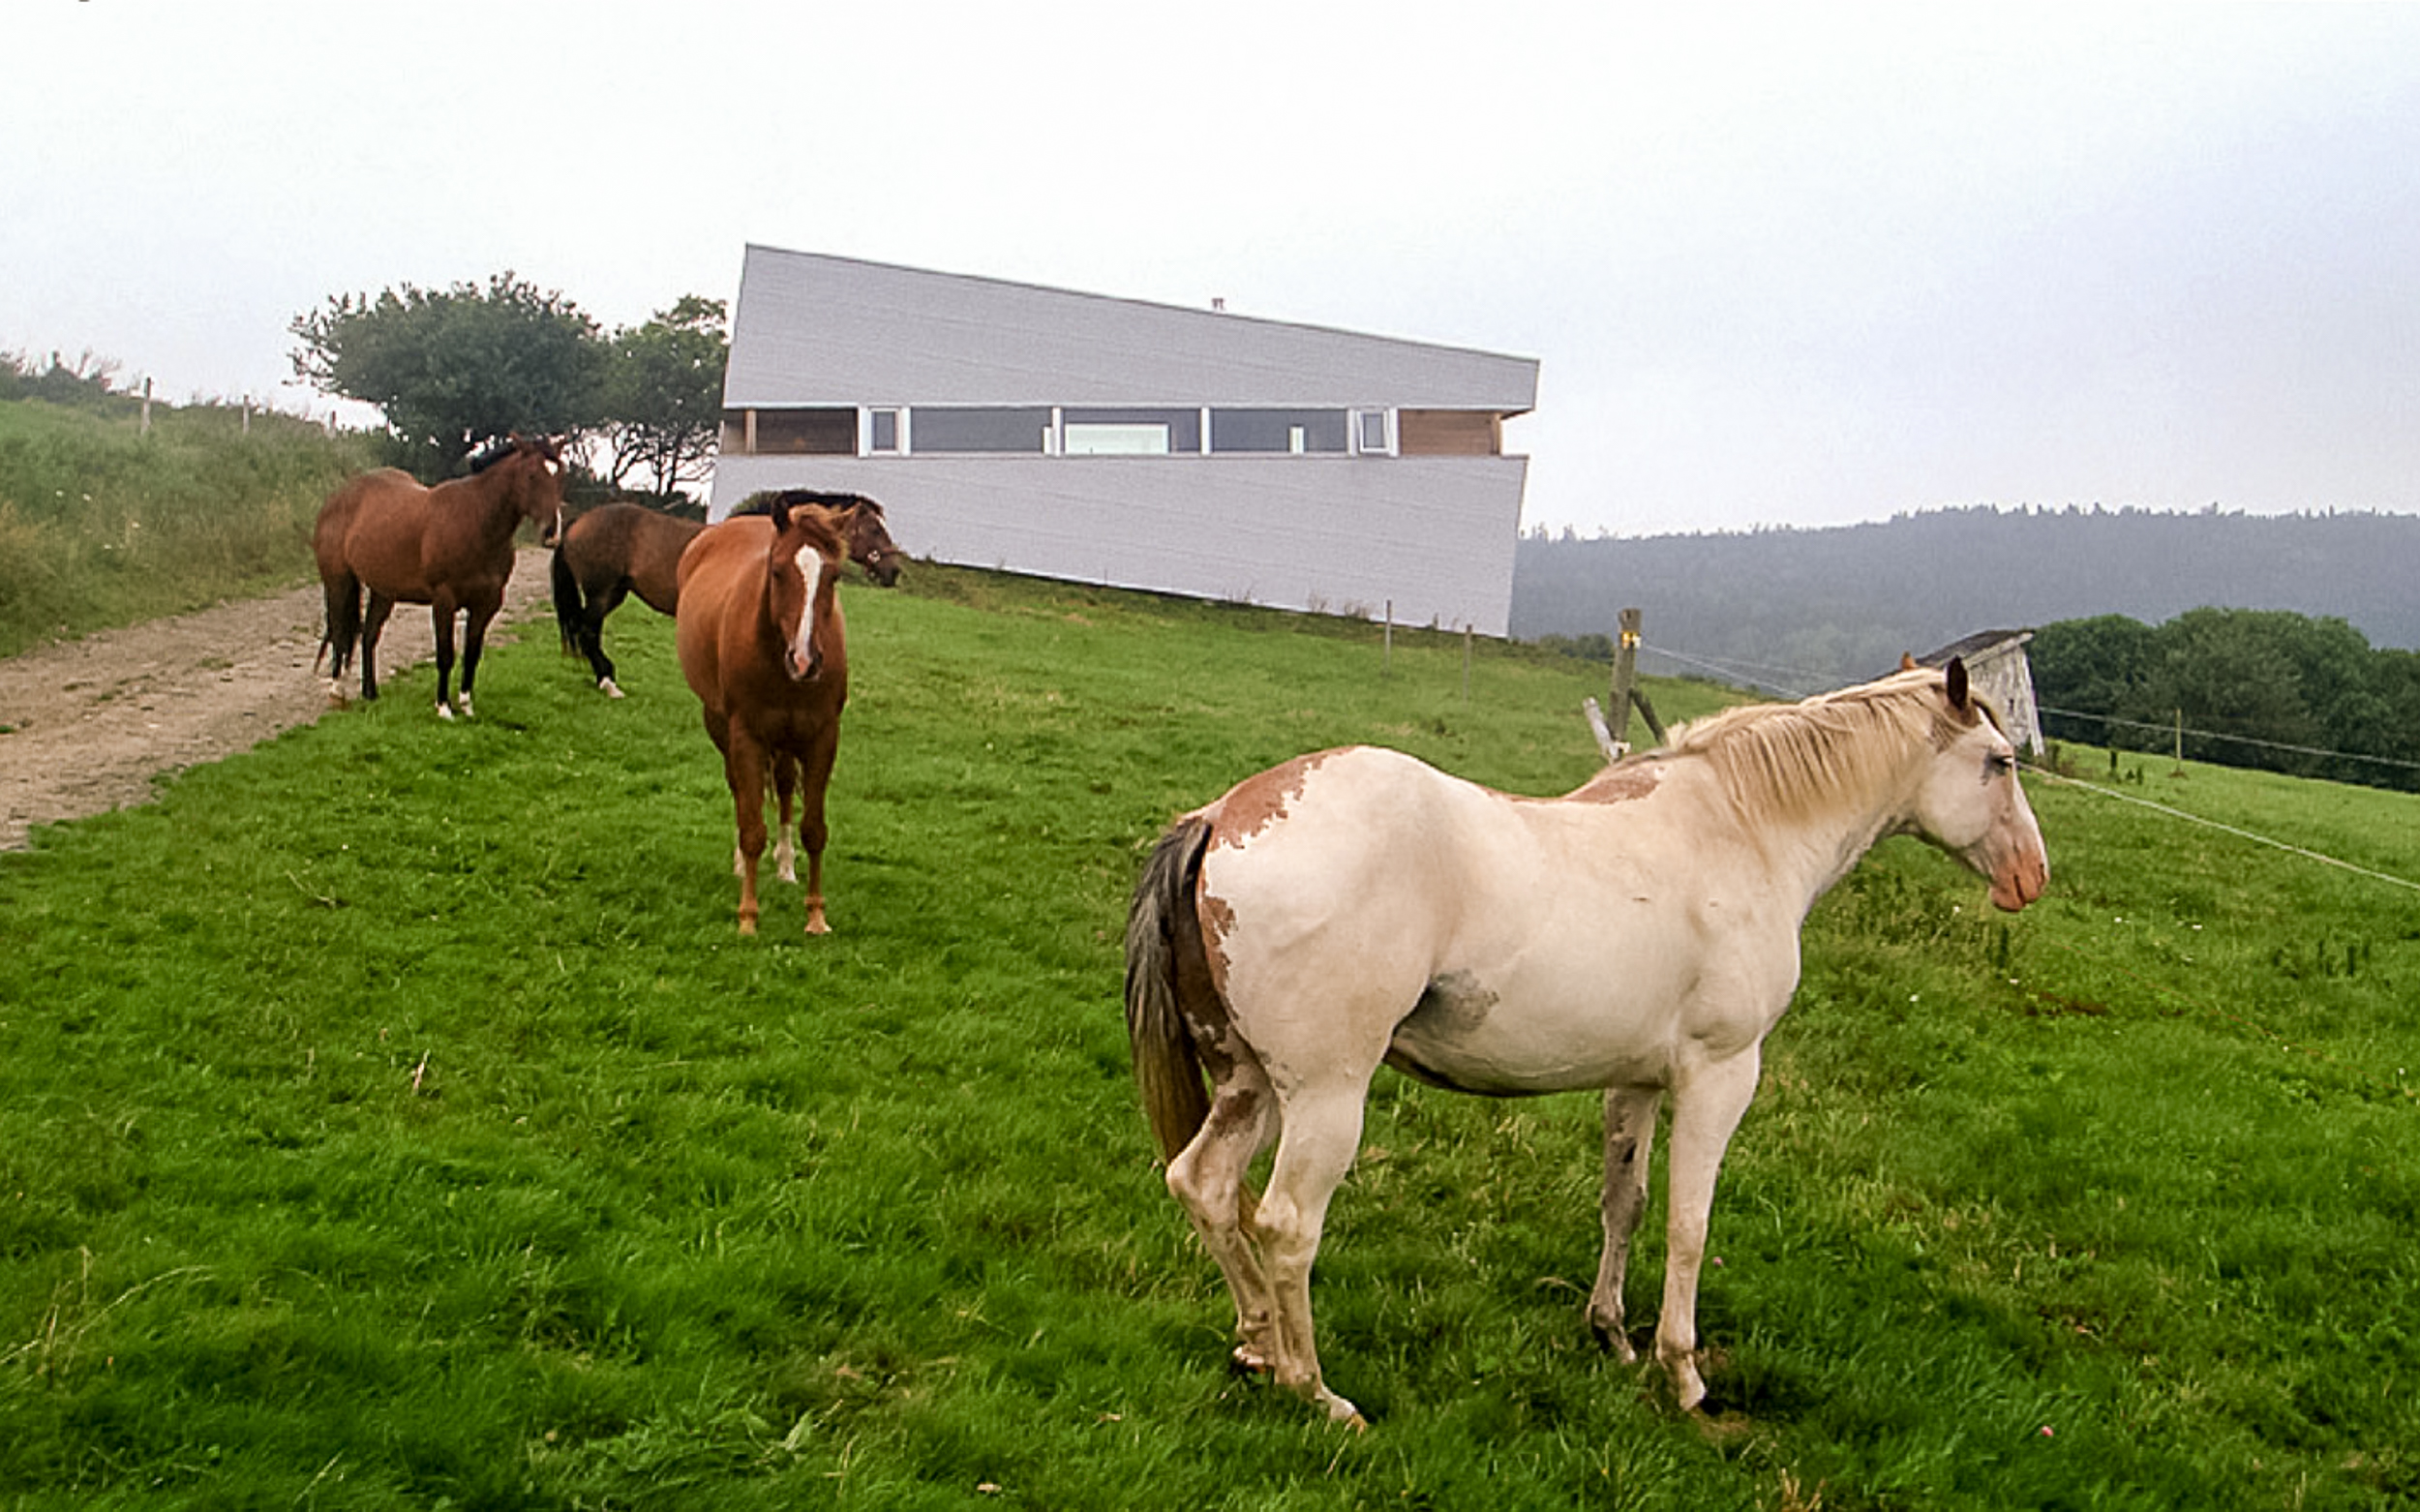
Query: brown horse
[449, 547]
[610, 552]
[763, 646]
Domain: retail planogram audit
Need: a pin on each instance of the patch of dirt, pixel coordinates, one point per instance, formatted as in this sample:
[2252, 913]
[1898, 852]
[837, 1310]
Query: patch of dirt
[91, 723]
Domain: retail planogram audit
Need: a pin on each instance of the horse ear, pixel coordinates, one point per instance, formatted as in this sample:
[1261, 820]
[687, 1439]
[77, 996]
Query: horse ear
[1957, 688]
[781, 516]
[1907, 663]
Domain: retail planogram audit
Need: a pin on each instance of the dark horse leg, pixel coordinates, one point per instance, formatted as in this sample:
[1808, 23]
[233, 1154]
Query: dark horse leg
[580, 611]
[476, 618]
[593, 633]
[441, 622]
[373, 625]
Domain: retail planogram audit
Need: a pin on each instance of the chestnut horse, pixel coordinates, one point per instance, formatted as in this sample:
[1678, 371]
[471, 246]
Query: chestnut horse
[449, 547]
[612, 551]
[763, 646]
[1640, 935]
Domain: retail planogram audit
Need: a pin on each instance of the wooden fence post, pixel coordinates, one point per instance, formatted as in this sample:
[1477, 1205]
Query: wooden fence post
[1626, 692]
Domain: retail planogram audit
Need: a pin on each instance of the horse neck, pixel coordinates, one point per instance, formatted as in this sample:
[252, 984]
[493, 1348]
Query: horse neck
[1814, 838]
[494, 498]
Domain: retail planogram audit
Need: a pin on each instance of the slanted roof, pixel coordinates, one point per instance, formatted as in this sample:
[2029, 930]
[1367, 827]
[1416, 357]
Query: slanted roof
[816, 330]
[1976, 646]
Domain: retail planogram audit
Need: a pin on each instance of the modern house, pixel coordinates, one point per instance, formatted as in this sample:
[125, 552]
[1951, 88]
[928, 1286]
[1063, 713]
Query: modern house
[1139, 446]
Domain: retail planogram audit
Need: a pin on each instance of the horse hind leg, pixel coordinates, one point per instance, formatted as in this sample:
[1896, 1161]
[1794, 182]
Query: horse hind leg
[1323, 1129]
[1629, 1145]
[786, 790]
[1209, 1178]
[592, 635]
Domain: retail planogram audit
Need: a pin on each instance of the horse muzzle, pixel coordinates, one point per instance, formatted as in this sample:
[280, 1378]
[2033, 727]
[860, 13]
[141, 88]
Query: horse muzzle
[806, 670]
[2018, 879]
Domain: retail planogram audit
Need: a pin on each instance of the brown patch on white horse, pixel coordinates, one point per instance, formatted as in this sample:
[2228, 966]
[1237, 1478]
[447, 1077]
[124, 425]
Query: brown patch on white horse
[1635, 778]
[1259, 802]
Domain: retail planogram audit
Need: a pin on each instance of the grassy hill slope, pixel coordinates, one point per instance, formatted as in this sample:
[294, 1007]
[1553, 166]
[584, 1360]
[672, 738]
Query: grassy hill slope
[391, 1115]
[102, 525]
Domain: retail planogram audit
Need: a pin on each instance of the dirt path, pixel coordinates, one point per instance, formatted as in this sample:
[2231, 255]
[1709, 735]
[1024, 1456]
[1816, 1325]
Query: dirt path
[90, 724]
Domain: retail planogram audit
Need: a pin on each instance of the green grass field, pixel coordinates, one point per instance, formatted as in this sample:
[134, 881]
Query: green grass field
[392, 1116]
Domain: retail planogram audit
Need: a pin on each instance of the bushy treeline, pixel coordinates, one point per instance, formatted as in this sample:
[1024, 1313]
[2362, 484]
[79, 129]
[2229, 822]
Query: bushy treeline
[1797, 610]
[2262, 689]
[103, 522]
[87, 384]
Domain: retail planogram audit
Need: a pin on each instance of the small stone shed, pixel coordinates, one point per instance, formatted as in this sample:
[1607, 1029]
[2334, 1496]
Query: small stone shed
[1996, 667]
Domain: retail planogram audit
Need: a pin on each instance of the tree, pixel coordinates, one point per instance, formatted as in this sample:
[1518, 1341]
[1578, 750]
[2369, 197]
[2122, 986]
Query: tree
[2093, 668]
[663, 395]
[451, 368]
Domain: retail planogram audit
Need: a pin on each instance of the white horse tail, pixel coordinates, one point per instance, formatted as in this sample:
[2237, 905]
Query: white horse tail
[1166, 971]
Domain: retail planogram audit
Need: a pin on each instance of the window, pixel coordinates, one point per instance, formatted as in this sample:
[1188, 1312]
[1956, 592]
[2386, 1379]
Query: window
[1130, 433]
[882, 432]
[1370, 438]
[1023, 429]
[819, 433]
[1298, 431]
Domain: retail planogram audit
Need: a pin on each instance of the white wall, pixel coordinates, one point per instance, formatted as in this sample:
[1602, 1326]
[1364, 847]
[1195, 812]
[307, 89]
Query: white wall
[1338, 534]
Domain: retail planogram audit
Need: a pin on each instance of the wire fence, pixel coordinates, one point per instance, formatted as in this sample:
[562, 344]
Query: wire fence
[1804, 683]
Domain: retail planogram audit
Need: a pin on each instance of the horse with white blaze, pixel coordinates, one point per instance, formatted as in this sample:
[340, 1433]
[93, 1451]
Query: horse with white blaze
[1640, 935]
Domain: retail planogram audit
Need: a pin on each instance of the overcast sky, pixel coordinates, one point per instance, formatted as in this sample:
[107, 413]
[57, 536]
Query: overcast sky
[1781, 264]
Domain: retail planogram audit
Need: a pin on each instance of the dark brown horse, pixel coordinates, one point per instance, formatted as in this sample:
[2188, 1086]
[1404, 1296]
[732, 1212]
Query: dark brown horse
[614, 551]
[763, 646]
[449, 547]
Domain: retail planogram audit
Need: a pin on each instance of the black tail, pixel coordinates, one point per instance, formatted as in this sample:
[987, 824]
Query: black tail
[344, 625]
[1165, 968]
[567, 606]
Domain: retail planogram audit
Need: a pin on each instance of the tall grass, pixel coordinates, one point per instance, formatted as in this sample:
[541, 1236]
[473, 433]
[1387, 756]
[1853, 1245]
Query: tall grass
[102, 525]
[393, 1117]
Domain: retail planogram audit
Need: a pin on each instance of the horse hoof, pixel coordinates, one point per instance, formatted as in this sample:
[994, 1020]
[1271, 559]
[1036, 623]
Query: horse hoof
[608, 687]
[443, 712]
[747, 926]
[816, 925]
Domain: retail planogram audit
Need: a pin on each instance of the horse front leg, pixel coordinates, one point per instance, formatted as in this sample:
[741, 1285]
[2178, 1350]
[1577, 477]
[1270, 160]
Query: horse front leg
[1629, 1145]
[816, 775]
[442, 628]
[477, 618]
[1706, 1106]
[743, 769]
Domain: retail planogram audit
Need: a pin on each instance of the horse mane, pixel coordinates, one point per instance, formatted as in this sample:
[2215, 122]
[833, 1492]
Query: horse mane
[762, 503]
[495, 450]
[1794, 761]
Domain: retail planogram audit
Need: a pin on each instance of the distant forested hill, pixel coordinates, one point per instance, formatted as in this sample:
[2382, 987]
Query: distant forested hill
[1797, 610]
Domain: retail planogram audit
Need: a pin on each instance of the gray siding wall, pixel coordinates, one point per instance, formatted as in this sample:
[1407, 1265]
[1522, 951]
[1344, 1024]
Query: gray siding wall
[817, 330]
[1336, 534]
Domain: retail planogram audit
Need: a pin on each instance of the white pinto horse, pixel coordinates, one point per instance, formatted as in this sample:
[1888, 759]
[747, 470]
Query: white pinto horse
[1641, 935]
